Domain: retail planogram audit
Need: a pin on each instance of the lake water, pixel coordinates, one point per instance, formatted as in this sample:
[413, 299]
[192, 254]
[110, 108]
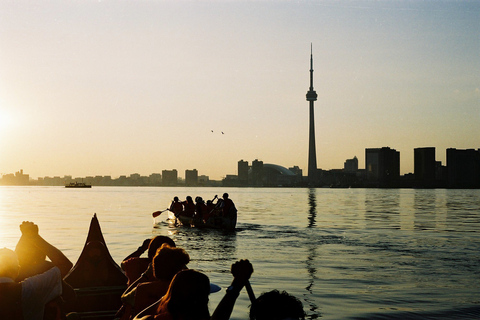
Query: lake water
[345, 253]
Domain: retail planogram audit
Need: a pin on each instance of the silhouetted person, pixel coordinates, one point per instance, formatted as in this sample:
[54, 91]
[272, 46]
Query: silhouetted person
[200, 209]
[27, 299]
[275, 305]
[166, 264]
[176, 207]
[33, 262]
[228, 205]
[134, 266]
[187, 296]
[188, 207]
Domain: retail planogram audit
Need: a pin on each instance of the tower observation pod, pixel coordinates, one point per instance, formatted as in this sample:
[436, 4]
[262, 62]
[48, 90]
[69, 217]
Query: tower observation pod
[312, 154]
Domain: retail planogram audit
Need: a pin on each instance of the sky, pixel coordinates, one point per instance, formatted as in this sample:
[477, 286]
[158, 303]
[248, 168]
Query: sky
[119, 87]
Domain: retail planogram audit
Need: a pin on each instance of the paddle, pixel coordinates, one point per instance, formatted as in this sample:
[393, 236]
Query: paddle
[157, 213]
[251, 295]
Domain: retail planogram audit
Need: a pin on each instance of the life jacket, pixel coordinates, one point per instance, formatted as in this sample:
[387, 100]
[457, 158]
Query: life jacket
[11, 301]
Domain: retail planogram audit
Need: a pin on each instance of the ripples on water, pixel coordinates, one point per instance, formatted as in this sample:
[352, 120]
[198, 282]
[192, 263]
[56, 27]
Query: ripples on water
[346, 253]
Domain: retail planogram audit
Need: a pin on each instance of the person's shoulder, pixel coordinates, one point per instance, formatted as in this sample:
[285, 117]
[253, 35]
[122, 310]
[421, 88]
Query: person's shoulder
[53, 272]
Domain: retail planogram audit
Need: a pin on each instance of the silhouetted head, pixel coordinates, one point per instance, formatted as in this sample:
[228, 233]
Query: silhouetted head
[9, 265]
[275, 305]
[175, 199]
[187, 296]
[225, 196]
[189, 199]
[169, 261]
[156, 243]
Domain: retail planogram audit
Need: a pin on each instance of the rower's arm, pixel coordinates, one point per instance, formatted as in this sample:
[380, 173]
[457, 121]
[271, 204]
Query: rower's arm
[241, 271]
[30, 232]
[137, 253]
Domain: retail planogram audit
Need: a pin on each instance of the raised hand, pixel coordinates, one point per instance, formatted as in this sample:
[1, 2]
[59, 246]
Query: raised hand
[29, 229]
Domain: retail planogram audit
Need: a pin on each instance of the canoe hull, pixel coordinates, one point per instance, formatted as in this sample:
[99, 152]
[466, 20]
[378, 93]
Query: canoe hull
[97, 280]
[218, 221]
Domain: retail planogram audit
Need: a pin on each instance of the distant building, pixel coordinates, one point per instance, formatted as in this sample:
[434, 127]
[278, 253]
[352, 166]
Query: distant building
[351, 165]
[203, 180]
[243, 172]
[17, 179]
[169, 177]
[463, 168]
[257, 173]
[191, 178]
[155, 179]
[425, 167]
[296, 170]
[276, 176]
[382, 167]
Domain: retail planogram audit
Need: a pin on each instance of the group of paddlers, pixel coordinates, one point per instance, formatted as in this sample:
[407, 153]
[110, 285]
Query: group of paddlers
[201, 211]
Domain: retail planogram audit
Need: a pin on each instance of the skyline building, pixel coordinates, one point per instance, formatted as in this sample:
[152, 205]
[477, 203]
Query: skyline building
[382, 166]
[312, 153]
[425, 166]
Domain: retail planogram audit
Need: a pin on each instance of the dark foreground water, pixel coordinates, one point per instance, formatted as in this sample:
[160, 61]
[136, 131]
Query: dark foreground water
[345, 253]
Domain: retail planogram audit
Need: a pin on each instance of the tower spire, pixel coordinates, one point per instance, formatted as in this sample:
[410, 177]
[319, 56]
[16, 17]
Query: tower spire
[311, 67]
[312, 153]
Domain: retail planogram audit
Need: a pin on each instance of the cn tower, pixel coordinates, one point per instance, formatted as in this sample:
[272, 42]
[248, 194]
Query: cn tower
[312, 154]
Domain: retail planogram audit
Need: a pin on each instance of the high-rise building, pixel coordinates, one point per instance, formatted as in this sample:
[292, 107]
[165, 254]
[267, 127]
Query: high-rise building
[257, 173]
[463, 168]
[424, 166]
[382, 166]
[243, 172]
[191, 177]
[312, 153]
[169, 177]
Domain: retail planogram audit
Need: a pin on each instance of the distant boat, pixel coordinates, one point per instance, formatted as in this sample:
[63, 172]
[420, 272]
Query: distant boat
[78, 185]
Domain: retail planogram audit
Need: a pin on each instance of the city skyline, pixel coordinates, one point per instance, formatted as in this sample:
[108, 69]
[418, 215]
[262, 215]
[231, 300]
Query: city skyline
[108, 88]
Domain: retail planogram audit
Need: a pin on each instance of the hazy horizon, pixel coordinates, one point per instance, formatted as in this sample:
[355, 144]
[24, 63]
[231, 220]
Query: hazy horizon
[118, 87]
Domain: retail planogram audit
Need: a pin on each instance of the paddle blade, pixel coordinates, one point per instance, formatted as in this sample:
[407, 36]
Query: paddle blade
[156, 213]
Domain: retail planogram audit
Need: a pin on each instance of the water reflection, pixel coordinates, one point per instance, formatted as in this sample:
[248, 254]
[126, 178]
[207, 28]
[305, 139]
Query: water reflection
[311, 257]
[424, 204]
[312, 207]
[383, 212]
[462, 211]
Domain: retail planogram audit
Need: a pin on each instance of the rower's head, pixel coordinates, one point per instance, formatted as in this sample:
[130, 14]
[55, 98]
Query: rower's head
[9, 266]
[175, 199]
[187, 296]
[156, 243]
[169, 261]
[225, 196]
[275, 305]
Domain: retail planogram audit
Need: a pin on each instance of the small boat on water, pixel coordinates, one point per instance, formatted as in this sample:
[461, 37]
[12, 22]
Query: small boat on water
[77, 185]
[96, 278]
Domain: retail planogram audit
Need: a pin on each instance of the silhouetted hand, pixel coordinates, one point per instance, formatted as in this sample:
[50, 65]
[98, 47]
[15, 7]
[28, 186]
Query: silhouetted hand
[29, 229]
[242, 270]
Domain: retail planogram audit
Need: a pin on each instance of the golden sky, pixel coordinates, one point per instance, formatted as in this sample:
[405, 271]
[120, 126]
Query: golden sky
[121, 87]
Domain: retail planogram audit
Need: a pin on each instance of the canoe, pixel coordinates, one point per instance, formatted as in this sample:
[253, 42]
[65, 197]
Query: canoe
[97, 279]
[217, 221]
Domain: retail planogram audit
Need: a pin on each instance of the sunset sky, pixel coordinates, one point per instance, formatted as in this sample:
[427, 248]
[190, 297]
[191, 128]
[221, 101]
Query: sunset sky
[119, 87]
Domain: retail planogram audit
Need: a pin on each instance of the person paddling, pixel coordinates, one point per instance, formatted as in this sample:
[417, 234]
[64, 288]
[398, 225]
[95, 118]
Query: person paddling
[176, 207]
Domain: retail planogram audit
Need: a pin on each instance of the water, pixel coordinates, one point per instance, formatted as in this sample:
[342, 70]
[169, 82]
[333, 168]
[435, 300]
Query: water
[345, 253]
